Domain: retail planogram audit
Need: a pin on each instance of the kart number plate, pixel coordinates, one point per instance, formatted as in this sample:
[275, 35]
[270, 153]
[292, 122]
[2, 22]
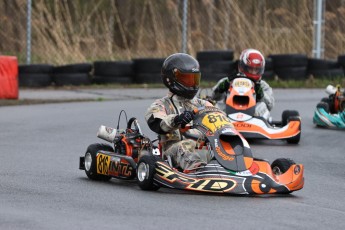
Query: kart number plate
[242, 83]
[214, 121]
[103, 162]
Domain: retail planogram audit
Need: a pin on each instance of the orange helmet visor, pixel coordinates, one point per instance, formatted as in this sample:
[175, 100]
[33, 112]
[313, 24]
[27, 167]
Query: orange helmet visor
[188, 79]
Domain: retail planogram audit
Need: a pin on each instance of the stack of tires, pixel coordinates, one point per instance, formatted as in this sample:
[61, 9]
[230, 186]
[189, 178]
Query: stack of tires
[147, 70]
[324, 69]
[216, 64]
[113, 72]
[36, 75]
[341, 61]
[73, 74]
[290, 66]
[269, 73]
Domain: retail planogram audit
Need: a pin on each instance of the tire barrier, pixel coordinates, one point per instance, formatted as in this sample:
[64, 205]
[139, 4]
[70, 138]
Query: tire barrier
[324, 69]
[269, 73]
[36, 75]
[110, 72]
[214, 65]
[290, 66]
[147, 70]
[8, 77]
[74, 74]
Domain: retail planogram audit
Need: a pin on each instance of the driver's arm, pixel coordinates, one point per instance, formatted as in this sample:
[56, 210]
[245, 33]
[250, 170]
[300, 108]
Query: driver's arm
[158, 120]
[268, 95]
[221, 87]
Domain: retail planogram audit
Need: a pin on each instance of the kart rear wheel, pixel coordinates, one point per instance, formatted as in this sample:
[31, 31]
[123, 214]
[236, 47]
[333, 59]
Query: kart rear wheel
[323, 105]
[281, 165]
[90, 161]
[286, 116]
[146, 169]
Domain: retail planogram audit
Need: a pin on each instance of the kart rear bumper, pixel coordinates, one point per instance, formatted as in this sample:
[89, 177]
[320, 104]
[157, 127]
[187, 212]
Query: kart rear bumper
[258, 128]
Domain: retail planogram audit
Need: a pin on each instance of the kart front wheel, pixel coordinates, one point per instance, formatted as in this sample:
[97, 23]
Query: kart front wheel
[286, 117]
[90, 161]
[281, 165]
[146, 168]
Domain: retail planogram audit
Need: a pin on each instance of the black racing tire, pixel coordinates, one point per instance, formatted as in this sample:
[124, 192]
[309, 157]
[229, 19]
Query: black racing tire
[286, 115]
[268, 75]
[146, 169]
[215, 55]
[289, 60]
[147, 65]
[148, 78]
[225, 67]
[268, 64]
[112, 80]
[341, 60]
[321, 64]
[328, 74]
[212, 77]
[73, 68]
[325, 99]
[292, 73]
[281, 165]
[34, 79]
[90, 154]
[113, 68]
[323, 105]
[35, 68]
[61, 79]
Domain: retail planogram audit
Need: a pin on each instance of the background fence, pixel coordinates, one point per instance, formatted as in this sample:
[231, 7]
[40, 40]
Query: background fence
[84, 31]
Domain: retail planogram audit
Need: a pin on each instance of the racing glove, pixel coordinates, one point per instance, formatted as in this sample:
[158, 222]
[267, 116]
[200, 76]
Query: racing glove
[184, 118]
[223, 86]
[259, 92]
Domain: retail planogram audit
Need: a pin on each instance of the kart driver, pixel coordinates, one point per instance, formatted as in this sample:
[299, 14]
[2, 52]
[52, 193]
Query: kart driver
[252, 66]
[181, 75]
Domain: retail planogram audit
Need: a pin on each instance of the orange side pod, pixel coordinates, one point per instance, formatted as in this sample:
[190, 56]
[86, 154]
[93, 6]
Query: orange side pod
[8, 77]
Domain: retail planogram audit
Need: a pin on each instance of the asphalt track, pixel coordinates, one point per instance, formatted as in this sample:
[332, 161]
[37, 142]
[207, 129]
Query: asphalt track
[41, 186]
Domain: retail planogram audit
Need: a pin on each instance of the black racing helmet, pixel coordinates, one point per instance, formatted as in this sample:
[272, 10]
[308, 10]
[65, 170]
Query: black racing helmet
[181, 74]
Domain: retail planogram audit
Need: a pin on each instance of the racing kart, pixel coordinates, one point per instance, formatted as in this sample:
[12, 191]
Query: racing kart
[330, 111]
[231, 170]
[240, 105]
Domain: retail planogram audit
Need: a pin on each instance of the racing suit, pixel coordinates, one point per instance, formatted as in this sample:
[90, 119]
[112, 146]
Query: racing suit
[264, 96]
[175, 144]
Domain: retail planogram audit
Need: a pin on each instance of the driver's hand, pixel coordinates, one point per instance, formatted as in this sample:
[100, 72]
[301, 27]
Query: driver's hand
[184, 118]
[259, 91]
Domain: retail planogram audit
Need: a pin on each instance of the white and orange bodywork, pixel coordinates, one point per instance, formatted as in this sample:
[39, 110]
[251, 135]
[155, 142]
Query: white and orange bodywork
[240, 108]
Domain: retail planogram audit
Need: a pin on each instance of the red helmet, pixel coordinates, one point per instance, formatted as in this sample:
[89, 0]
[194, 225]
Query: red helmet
[252, 64]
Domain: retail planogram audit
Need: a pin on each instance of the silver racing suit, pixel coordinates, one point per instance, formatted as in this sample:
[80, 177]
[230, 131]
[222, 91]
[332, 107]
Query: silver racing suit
[263, 106]
[181, 149]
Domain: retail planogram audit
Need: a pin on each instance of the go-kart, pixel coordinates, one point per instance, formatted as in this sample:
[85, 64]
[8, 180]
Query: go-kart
[240, 105]
[231, 170]
[330, 111]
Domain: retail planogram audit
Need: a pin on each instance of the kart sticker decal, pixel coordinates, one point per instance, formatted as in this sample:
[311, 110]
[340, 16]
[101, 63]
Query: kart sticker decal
[291, 130]
[113, 166]
[193, 183]
[215, 120]
[120, 167]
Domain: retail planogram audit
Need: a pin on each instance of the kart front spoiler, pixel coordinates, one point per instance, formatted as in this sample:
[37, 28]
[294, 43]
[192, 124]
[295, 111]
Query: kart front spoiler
[215, 179]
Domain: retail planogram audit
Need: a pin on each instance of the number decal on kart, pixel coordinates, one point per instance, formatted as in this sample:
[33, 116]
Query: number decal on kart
[242, 83]
[103, 162]
[214, 121]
